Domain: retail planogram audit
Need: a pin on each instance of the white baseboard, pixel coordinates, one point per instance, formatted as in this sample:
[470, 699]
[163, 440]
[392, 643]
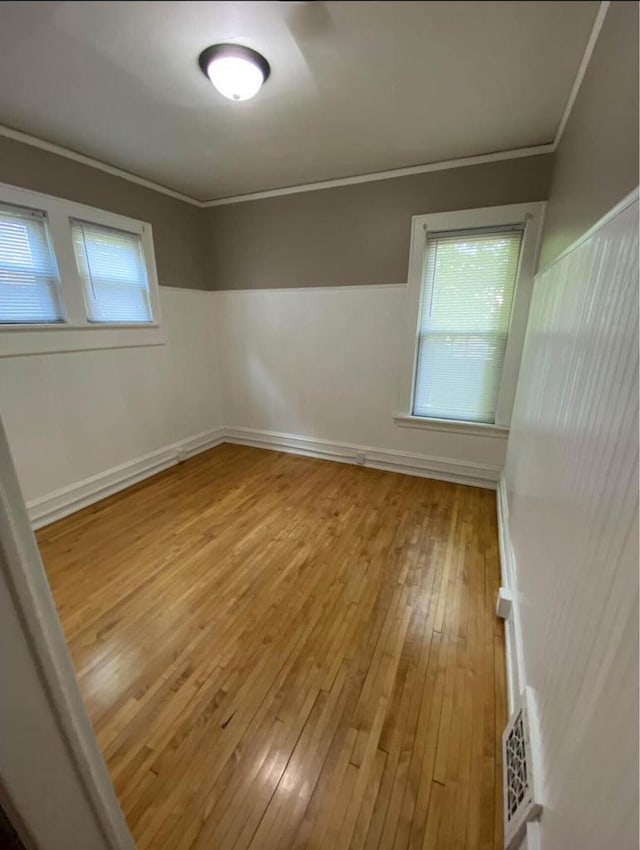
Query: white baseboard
[67, 500]
[513, 634]
[391, 460]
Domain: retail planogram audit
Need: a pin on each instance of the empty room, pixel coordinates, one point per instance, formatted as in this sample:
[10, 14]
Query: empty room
[319, 425]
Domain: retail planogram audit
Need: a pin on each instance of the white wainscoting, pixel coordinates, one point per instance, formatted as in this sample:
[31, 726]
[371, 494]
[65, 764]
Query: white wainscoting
[311, 371]
[84, 424]
[569, 536]
[318, 370]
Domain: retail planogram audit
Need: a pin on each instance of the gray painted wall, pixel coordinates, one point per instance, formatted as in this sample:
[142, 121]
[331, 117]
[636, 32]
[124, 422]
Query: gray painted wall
[348, 235]
[355, 234]
[177, 226]
[359, 234]
[597, 159]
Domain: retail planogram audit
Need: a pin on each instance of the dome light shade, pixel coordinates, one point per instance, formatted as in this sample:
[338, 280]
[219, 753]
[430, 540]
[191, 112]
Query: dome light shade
[237, 72]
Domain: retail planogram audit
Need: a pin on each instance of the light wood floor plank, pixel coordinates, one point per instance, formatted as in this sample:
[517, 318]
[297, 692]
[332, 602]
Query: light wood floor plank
[280, 653]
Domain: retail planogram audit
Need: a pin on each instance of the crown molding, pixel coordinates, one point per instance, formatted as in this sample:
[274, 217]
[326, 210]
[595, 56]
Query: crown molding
[26, 138]
[34, 142]
[582, 69]
[384, 175]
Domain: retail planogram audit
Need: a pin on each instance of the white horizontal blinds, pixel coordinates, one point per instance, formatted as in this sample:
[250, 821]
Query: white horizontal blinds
[468, 287]
[112, 267]
[29, 282]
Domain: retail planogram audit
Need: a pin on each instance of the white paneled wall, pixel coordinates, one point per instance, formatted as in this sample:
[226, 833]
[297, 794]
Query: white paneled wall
[572, 488]
[315, 370]
[325, 364]
[70, 417]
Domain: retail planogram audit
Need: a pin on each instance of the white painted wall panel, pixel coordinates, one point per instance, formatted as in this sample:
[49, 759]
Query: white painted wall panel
[72, 416]
[321, 364]
[572, 485]
[326, 363]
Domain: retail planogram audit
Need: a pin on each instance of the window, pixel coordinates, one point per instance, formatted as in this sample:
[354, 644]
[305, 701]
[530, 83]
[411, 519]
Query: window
[114, 277]
[29, 282]
[467, 294]
[73, 277]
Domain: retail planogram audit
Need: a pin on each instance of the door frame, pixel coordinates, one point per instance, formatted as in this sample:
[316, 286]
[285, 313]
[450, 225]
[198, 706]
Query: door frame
[51, 767]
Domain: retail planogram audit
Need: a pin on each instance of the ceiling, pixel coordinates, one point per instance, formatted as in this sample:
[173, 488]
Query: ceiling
[356, 87]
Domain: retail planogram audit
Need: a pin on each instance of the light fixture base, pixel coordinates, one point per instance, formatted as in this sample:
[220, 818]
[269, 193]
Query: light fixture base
[237, 51]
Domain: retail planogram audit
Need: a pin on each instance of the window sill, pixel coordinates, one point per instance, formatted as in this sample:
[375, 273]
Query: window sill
[451, 426]
[55, 339]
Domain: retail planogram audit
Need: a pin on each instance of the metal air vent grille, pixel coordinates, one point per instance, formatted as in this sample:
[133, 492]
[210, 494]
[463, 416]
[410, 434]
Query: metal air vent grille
[521, 802]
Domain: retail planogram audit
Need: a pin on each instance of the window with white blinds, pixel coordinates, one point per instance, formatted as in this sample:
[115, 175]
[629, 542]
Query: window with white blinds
[29, 281]
[112, 266]
[468, 286]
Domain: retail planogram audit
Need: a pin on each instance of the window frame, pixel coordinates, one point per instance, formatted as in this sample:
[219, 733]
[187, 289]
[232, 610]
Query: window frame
[532, 214]
[76, 332]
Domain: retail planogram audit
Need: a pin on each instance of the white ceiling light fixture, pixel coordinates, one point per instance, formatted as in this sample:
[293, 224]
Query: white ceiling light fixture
[236, 71]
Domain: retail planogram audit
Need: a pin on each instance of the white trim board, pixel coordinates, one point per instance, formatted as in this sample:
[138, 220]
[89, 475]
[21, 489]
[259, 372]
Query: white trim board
[620, 207]
[532, 839]
[443, 165]
[512, 630]
[67, 153]
[374, 176]
[451, 426]
[390, 460]
[67, 500]
[56, 704]
[329, 287]
[582, 69]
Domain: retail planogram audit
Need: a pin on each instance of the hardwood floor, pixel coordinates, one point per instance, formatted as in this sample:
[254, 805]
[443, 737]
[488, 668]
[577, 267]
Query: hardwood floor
[279, 652]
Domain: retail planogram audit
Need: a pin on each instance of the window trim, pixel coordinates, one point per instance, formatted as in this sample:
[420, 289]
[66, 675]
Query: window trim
[533, 215]
[451, 426]
[77, 333]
